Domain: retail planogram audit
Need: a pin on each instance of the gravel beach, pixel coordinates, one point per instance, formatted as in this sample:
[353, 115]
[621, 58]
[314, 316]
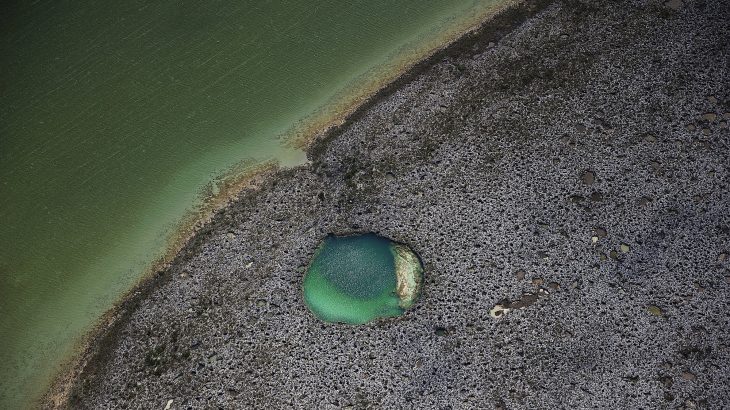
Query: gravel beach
[569, 165]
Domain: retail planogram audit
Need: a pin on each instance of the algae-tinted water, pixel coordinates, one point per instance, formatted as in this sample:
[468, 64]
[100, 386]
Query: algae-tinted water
[353, 279]
[114, 115]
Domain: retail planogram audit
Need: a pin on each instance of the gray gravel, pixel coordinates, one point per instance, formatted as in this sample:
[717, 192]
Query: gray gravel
[572, 166]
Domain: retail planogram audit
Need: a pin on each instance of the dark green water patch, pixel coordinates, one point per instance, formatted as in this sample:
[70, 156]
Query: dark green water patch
[359, 278]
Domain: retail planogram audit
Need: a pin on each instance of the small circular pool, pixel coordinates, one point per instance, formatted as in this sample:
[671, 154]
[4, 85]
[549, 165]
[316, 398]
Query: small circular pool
[358, 278]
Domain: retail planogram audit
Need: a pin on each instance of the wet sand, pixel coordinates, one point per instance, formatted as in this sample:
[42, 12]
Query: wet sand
[568, 162]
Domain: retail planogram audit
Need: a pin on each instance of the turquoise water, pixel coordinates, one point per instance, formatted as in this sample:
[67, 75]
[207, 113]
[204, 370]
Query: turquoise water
[118, 118]
[352, 279]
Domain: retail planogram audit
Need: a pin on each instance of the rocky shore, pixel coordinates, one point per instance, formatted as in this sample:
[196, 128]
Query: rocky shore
[570, 162]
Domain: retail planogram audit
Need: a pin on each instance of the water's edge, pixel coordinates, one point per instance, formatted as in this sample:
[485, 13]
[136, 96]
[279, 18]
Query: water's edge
[93, 348]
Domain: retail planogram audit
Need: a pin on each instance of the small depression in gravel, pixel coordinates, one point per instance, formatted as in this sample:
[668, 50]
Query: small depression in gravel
[358, 278]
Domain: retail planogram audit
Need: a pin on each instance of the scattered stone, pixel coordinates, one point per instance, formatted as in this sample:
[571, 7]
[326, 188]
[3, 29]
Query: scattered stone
[690, 404]
[168, 406]
[441, 331]
[674, 4]
[726, 116]
[712, 99]
[580, 128]
[644, 200]
[655, 310]
[520, 274]
[231, 235]
[538, 281]
[554, 285]
[498, 311]
[613, 255]
[588, 177]
[594, 239]
[710, 116]
[691, 127]
[600, 232]
[666, 381]
[596, 197]
[722, 257]
[524, 301]
[656, 166]
[625, 248]
[649, 138]
[576, 199]
[689, 376]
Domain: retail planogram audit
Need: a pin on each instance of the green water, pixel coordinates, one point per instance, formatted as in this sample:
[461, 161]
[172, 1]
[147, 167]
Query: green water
[114, 115]
[352, 279]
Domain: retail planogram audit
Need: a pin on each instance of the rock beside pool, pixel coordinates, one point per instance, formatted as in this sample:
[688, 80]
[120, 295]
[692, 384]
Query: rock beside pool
[409, 274]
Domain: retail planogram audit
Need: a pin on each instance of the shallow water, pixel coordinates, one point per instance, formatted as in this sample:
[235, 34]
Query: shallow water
[116, 116]
[352, 279]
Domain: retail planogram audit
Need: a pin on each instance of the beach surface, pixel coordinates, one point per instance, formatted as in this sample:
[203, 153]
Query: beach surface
[562, 173]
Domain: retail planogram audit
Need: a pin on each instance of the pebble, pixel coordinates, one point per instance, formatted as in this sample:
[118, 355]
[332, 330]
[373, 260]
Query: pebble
[498, 311]
[588, 177]
[710, 116]
[688, 376]
[655, 310]
[644, 200]
[674, 4]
